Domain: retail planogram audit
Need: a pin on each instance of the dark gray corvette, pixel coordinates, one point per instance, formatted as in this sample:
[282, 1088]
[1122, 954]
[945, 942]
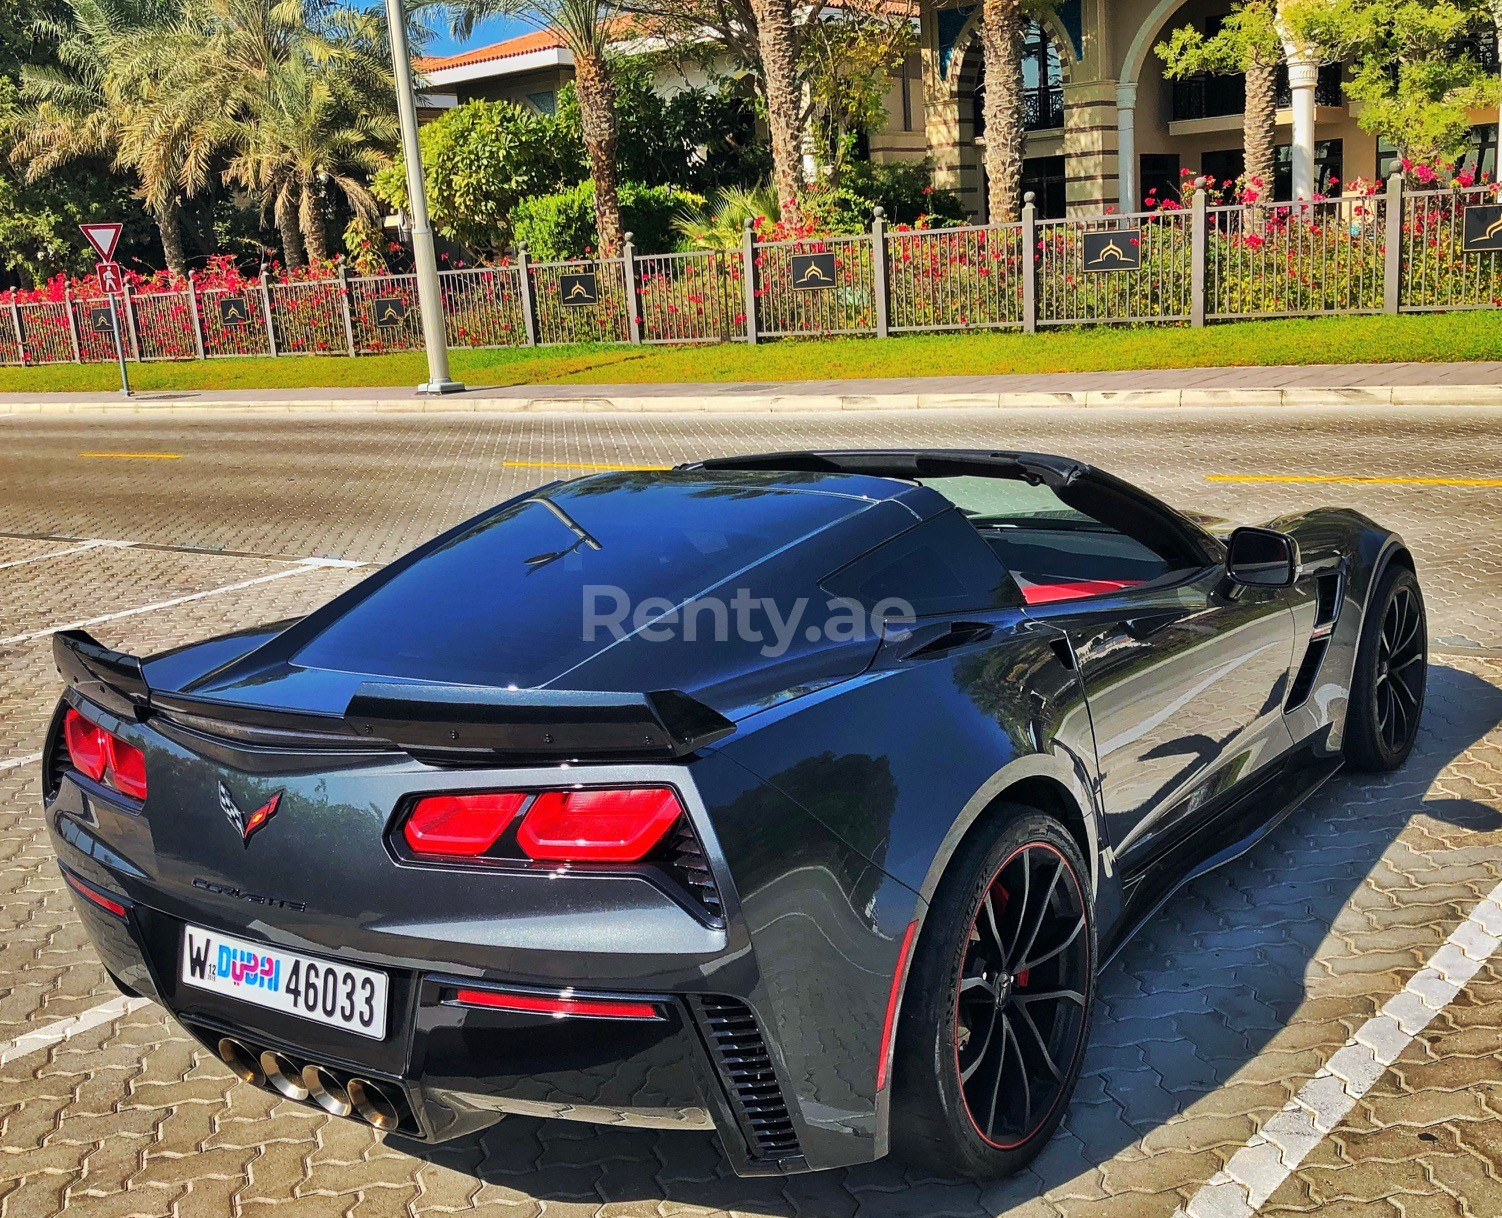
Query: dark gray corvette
[799, 796]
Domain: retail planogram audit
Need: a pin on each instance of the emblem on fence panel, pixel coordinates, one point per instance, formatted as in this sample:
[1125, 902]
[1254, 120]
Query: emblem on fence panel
[1482, 229]
[813, 271]
[1116, 249]
[390, 312]
[234, 311]
[582, 288]
[99, 319]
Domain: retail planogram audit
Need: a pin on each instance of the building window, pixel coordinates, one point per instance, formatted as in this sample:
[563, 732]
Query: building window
[1329, 172]
[544, 103]
[1042, 81]
[912, 93]
[1160, 178]
[1224, 166]
[1042, 84]
[1044, 176]
[1479, 158]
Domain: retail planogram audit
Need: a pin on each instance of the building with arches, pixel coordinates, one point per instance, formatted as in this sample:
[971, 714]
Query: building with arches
[1105, 128]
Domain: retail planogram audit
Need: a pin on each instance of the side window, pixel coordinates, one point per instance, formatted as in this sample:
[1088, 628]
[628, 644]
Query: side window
[939, 566]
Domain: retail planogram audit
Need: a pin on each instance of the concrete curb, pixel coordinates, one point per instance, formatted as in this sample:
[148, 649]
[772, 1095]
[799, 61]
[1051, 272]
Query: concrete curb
[778, 403]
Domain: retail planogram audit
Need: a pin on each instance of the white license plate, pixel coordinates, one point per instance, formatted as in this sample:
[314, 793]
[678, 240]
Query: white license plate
[340, 995]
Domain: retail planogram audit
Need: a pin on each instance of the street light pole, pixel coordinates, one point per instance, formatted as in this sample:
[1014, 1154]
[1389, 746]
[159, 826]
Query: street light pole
[429, 295]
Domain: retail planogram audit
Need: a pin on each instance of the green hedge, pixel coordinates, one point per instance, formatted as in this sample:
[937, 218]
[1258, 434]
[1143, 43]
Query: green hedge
[559, 226]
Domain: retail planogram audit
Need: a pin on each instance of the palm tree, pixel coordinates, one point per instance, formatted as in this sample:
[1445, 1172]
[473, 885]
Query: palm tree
[92, 102]
[287, 97]
[1003, 26]
[719, 226]
[778, 48]
[585, 27]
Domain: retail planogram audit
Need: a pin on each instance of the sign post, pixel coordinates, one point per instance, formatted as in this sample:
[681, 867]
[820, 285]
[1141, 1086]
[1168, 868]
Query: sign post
[104, 238]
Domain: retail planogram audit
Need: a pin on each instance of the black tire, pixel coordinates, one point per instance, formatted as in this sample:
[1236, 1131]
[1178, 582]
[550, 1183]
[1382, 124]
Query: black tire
[932, 1121]
[1392, 665]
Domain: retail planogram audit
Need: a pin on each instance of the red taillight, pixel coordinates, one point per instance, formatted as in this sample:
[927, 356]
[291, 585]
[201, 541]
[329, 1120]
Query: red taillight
[603, 826]
[88, 745]
[537, 1004]
[104, 757]
[127, 768]
[463, 825]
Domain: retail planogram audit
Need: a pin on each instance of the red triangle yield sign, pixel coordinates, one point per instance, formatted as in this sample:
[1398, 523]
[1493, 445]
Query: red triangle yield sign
[103, 237]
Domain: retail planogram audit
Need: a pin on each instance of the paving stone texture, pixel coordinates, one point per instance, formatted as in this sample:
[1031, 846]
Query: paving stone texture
[1243, 986]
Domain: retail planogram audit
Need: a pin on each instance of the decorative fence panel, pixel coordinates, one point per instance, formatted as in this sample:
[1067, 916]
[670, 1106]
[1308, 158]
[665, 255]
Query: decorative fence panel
[1391, 252]
[483, 307]
[164, 328]
[308, 317]
[1438, 273]
[384, 314]
[1296, 260]
[233, 321]
[1130, 268]
[580, 302]
[815, 286]
[955, 278]
[45, 331]
[692, 298]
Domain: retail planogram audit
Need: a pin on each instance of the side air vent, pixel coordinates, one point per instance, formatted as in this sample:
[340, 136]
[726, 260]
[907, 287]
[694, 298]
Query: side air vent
[1326, 610]
[56, 759]
[686, 858]
[744, 1064]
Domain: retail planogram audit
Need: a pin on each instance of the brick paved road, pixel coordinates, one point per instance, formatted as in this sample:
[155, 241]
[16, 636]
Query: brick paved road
[1244, 986]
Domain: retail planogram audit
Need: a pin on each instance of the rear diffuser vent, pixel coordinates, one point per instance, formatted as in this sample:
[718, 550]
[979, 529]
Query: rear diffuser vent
[58, 760]
[686, 857]
[746, 1066]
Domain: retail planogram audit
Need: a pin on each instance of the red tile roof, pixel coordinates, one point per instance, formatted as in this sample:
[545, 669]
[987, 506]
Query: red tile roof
[540, 40]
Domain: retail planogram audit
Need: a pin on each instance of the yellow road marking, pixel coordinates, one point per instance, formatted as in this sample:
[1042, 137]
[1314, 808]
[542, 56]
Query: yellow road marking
[1354, 479]
[138, 456]
[577, 465]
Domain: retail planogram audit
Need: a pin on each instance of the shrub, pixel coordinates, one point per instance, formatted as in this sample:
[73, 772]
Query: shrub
[562, 225]
[481, 160]
[903, 189]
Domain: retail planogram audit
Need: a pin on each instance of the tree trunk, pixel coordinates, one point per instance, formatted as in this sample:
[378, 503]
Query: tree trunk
[597, 117]
[286, 223]
[169, 224]
[1003, 23]
[779, 68]
[314, 232]
[1259, 138]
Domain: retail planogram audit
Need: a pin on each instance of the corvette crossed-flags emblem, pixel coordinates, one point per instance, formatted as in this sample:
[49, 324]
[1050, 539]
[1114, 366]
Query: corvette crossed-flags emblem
[246, 823]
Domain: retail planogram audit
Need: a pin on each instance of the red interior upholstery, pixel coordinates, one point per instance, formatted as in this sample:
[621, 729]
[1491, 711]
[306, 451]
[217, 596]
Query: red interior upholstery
[1046, 593]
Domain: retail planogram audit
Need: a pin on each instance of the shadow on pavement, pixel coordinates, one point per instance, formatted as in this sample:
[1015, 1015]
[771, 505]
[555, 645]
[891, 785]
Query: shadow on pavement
[1201, 990]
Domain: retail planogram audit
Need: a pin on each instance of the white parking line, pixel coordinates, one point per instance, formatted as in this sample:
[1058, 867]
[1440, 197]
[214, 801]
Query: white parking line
[66, 1029]
[91, 544]
[12, 762]
[302, 565]
[1276, 1150]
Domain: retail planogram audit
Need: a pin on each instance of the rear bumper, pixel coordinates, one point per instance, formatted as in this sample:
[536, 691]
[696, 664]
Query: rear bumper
[768, 1033]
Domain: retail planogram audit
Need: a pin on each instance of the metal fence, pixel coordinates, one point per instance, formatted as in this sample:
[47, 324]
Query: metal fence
[1397, 251]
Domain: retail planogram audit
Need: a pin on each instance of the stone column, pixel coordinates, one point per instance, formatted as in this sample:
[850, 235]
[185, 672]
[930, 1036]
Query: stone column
[1090, 146]
[1127, 177]
[1303, 75]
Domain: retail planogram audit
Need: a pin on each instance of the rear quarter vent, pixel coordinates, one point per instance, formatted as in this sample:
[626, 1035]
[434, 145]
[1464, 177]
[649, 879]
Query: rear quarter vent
[740, 1054]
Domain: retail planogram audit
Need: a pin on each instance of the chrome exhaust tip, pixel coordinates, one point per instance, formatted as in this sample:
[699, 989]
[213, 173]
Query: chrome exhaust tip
[241, 1061]
[283, 1075]
[374, 1103]
[326, 1091]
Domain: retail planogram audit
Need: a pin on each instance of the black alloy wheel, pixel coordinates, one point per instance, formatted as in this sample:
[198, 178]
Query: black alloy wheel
[996, 1013]
[1392, 663]
[1020, 1006]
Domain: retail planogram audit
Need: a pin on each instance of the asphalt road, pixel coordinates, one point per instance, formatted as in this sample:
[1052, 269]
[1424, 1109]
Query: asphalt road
[1217, 1020]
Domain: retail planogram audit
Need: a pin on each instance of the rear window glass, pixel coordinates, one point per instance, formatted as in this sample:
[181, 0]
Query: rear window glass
[941, 566]
[504, 602]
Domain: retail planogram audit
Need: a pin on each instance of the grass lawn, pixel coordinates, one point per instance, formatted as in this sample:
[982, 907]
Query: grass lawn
[1433, 337]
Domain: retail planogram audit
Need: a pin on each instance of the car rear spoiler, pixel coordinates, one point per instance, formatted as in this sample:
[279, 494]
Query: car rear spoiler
[439, 723]
[437, 720]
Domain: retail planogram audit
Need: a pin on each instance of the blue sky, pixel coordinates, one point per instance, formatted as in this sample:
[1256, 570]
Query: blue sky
[494, 30]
